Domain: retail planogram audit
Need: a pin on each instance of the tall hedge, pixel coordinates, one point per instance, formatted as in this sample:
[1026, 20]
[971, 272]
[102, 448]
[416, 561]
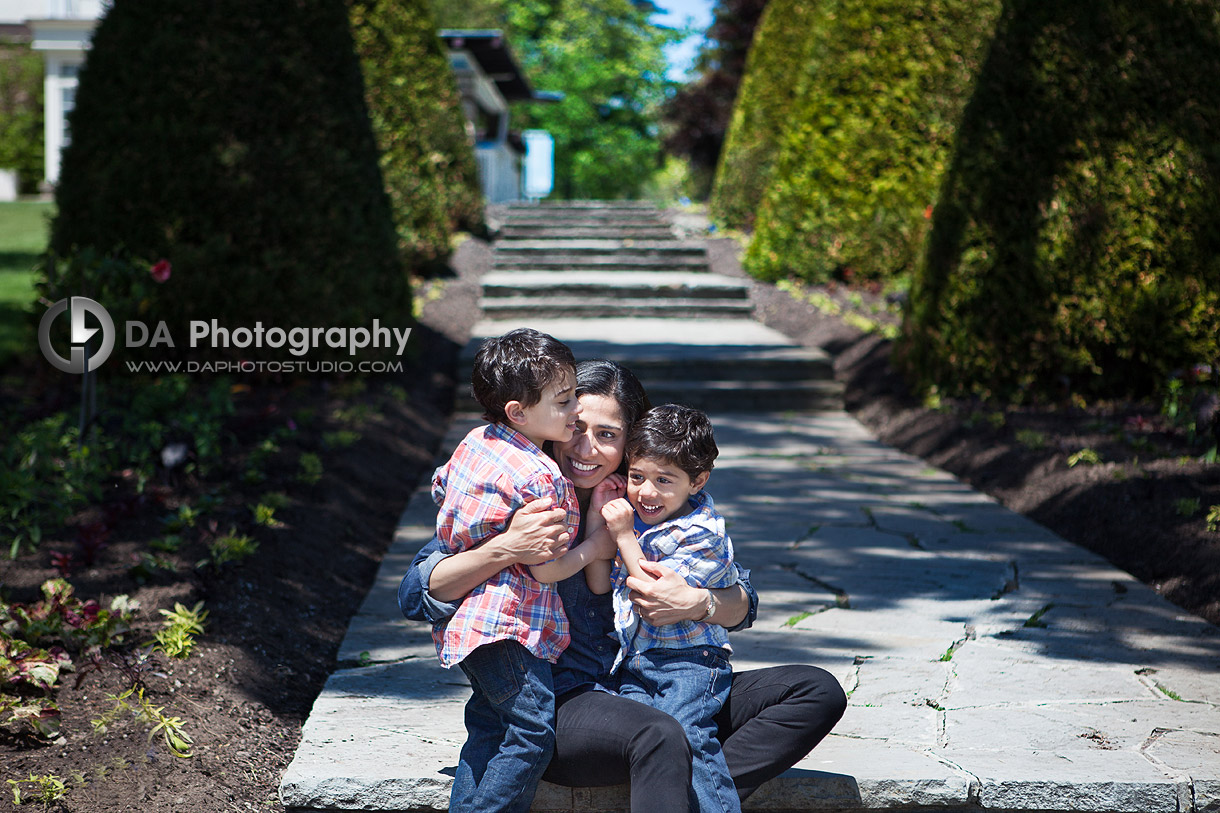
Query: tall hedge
[21, 123]
[232, 139]
[1076, 244]
[426, 157]
[760, 111]
[867, 137]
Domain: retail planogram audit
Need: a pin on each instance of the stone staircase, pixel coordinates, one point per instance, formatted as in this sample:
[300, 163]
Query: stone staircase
[613, 280]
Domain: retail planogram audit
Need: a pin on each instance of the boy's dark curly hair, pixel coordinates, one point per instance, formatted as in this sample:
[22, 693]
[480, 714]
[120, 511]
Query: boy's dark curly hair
[517, 366]
[679, 435]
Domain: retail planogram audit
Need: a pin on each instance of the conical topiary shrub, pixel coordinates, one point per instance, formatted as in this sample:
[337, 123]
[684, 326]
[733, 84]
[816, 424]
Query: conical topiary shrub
[867, 136]
[232, 139]
[1075, 250]
[426, 157]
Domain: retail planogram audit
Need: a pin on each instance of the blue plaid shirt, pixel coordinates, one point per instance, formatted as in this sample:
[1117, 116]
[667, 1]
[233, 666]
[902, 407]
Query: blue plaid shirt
[697, 548]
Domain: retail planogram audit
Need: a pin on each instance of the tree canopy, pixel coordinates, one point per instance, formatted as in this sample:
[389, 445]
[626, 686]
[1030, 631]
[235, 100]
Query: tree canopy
[696, 117]
[608, 61]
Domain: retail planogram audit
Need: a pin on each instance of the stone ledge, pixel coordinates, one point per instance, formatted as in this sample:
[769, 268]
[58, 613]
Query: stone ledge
[386, 738]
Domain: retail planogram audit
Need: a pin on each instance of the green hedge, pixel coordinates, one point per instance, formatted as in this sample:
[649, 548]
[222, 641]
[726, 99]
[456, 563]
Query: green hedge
[1076, 243]
[231, 138]
[21, 123]
[767, 89]
[867, 136]
[426, 157]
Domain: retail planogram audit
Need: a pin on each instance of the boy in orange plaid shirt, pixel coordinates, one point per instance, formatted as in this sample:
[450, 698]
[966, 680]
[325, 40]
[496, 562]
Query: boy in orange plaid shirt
[508, 631]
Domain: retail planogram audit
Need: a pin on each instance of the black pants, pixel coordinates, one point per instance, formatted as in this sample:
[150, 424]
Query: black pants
[774, 717]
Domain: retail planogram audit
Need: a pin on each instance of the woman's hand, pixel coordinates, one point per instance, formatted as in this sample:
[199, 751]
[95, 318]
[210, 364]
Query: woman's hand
[537, 533]
[667, 599]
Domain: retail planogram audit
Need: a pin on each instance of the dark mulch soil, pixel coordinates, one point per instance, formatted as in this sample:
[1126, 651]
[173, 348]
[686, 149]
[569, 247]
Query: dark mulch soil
[276, 620]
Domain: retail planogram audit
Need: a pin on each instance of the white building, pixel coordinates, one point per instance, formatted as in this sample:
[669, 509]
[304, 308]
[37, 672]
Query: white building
[488, 79]
[60, 30]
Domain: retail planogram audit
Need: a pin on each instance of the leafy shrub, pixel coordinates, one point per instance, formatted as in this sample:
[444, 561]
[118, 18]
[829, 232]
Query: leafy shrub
[426, 158]
[35, 640]
[232, 139]
[47, 473]
[21, 123]
[1192, 404]
[781, 40]
[1076, 242]
[867, 137]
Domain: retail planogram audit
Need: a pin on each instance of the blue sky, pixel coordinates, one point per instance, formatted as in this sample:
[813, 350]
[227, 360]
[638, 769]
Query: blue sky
[676, 13]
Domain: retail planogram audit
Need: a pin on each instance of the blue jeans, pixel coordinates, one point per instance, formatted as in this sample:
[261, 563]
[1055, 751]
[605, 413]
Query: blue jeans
[690, 685]
[510, 730]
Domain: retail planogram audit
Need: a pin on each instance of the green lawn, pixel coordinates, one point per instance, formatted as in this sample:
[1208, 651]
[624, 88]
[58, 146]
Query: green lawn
[23, 236]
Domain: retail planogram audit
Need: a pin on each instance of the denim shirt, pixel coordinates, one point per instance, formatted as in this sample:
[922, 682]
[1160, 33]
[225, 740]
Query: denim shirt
[586, 663]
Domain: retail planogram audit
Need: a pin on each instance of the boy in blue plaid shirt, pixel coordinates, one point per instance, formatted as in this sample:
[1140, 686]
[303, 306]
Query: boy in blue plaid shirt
[682, 668]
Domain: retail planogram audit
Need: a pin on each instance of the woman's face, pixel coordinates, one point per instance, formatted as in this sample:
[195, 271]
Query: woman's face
[596, 448]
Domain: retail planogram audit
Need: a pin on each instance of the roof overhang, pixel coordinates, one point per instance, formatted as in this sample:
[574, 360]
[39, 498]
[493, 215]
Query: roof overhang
[489, 47]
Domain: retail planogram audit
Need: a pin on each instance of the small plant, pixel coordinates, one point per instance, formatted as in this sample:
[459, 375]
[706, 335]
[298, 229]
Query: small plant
[166, 544]
[310, 469]
[1085, 456]
[275, 499]
[170, 728]
[1213, 518]
[796, 619]
[43, 789]
[1031, 439]
[265, 515]
[176, 638]
[1035, 620]
[340, 438]
[147, 565]
[1187, 506]
[260, 456]
[186, 517]
[231, 547]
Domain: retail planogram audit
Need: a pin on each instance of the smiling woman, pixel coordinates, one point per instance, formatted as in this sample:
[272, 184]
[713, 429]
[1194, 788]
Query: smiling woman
[773, 717]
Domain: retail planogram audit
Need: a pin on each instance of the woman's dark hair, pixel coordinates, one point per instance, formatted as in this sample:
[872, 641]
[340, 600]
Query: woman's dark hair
[609, 378]
[613, 380]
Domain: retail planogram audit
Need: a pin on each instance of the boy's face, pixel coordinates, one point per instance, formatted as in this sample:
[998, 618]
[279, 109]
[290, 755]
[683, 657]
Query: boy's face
[658, 490]
[554, 416]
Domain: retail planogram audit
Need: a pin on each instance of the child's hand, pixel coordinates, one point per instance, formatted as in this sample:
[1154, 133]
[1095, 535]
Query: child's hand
[618, 515]
[613, 487]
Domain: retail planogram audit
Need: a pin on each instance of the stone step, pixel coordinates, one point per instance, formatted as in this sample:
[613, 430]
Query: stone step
[725, 365]
[725, 396]
[747, 396]
[608, 261]
[586, 205]
[565, 245]
[535, 307]
[756, 366]
[576, 220]
[590, 231]
[617, 284]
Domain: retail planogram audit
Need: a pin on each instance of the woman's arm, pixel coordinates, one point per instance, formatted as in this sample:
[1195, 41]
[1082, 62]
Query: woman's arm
[664, 597]
[537, 533]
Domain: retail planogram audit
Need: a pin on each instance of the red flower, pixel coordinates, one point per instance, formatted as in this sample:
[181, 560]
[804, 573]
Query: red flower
[927, 213]
[160, 271]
